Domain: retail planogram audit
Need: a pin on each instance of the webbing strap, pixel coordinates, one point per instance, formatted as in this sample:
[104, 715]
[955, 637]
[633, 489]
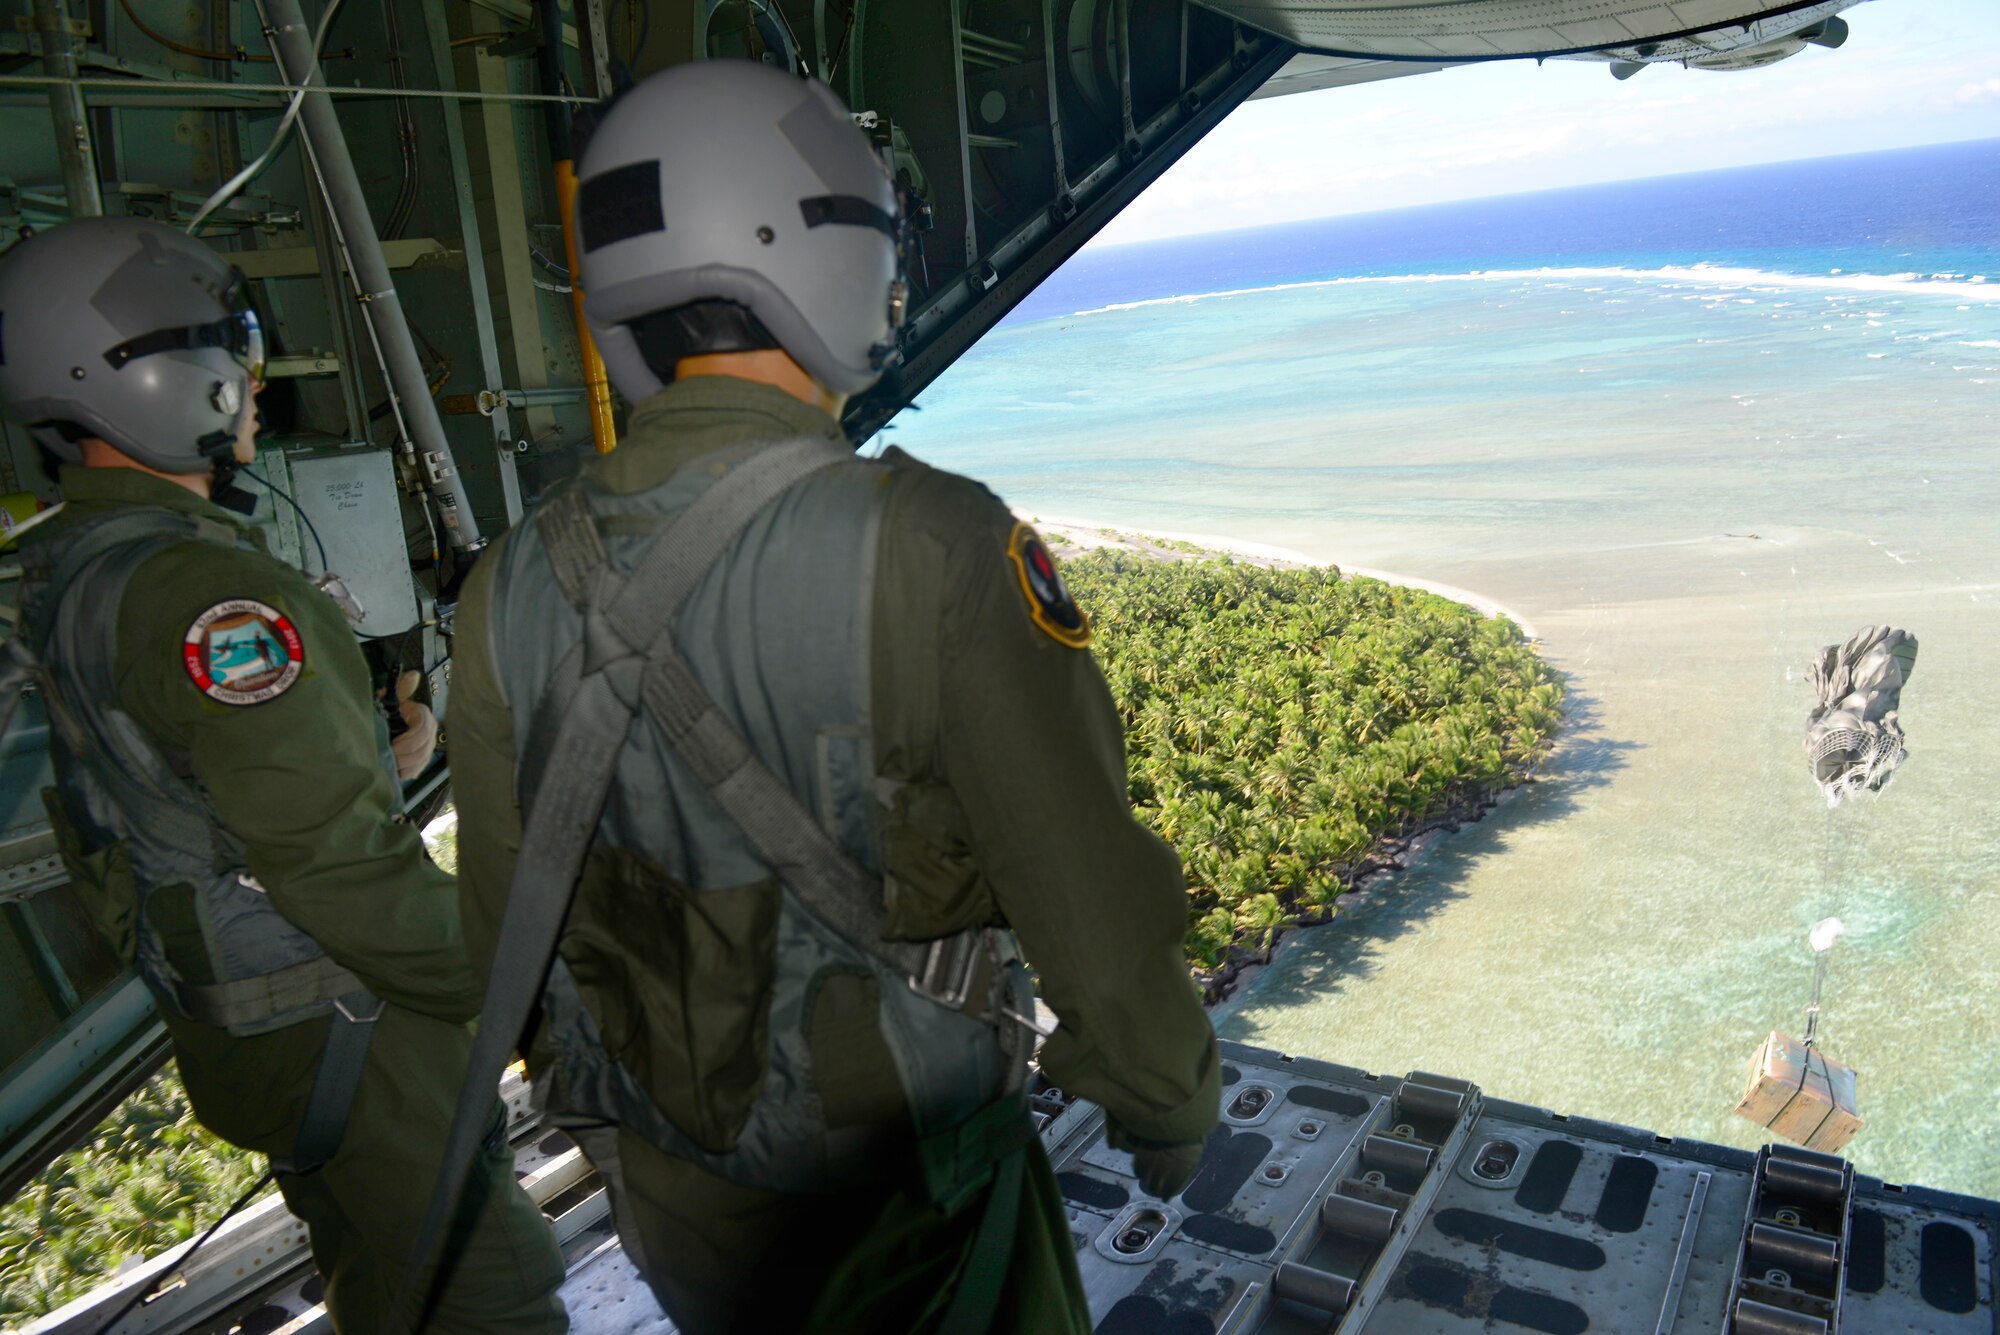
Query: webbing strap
[253, 1000]
[985, 1273]
[99, 539]
[18, 669]
[334, 1084]
[562, 816]
[832, 885]
[570, 537]
[117, 753]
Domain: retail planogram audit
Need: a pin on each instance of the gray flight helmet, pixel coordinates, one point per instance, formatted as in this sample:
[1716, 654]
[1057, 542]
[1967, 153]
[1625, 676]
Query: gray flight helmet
[729, 180]
[131, 331]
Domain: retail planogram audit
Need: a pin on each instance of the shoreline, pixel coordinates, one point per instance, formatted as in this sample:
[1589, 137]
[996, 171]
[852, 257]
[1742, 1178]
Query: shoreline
[1085, 535]
[1376, 875]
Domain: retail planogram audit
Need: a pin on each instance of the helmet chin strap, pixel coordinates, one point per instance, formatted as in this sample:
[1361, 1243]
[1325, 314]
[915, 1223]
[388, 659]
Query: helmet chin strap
[219, 448]
[222, 469]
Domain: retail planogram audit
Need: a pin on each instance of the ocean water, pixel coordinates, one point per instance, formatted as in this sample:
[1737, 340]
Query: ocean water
[1692, 430]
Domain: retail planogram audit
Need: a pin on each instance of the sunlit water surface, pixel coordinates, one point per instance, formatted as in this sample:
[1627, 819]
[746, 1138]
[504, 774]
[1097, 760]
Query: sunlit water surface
[1688, 481]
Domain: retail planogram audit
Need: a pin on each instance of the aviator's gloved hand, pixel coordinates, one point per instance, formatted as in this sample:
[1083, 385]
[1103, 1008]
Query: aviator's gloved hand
[414, 745]
[1163, 1169]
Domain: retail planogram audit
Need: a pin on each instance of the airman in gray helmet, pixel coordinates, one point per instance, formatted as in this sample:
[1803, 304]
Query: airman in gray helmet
[224, 802]
[773, 762]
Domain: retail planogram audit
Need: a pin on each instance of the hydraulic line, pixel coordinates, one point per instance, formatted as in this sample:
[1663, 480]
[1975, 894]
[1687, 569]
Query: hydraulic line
[562, 152]
[248, 91]
[326, 150]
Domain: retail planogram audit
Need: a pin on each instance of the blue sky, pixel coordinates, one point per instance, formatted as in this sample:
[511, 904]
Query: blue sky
[1912, 72]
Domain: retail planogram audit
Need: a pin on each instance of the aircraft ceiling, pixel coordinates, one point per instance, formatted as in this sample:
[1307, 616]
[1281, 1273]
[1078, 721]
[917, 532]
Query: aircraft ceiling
[1458, 30]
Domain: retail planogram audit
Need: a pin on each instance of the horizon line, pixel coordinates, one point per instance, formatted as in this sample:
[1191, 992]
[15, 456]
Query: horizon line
[1545, 190]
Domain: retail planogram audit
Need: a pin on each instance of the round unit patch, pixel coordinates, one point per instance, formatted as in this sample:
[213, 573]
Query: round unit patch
[243, 652]
[1049, 605]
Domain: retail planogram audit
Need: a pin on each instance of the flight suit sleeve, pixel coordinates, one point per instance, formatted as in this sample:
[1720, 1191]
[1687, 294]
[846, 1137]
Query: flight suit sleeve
[296, 774]
[482, 770]
[1030, 743]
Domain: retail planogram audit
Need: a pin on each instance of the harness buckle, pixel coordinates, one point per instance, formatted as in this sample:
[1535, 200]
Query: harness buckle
[949, 969]
[340, 1004]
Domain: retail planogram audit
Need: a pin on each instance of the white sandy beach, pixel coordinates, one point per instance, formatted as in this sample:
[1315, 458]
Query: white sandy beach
[1085, 535]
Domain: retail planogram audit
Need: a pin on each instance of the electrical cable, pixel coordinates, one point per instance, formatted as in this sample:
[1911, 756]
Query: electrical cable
[227, 190]
[846, 31]
[558, 270]
[146, 1291]
[637, 29]
[410, 188]
[265, 483]
[239, 54]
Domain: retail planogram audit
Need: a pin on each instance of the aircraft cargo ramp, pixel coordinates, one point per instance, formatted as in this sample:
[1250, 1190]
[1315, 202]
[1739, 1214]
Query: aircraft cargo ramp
[1329, 1200]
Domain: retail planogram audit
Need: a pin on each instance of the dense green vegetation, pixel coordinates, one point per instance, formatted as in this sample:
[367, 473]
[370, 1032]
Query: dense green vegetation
[1281, 725]
[149, 1178]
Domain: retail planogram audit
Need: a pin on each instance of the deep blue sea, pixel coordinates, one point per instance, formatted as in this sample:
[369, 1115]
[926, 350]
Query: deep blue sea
[1689, 430]
[1923, 211]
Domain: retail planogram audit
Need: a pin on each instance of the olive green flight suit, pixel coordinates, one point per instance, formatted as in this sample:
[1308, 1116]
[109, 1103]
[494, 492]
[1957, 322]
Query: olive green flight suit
[299, 780]
[1002, 772]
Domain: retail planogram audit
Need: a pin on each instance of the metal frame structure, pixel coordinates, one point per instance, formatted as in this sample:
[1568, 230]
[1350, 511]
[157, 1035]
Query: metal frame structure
[400, 249]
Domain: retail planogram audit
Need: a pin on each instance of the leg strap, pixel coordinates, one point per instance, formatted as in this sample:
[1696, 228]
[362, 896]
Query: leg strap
[339, 1076]
[985, 1273]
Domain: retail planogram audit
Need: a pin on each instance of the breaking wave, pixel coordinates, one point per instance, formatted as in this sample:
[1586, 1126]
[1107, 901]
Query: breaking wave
[1701, 274]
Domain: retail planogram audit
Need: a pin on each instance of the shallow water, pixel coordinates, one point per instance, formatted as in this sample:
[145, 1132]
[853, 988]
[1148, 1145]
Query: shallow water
[1689, 481]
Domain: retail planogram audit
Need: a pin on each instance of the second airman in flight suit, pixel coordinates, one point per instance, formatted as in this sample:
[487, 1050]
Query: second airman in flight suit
[225, 803]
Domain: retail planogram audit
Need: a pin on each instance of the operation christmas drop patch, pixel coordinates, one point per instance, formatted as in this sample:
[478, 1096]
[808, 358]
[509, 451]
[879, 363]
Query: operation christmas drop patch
[1050, 606]
[243, 652]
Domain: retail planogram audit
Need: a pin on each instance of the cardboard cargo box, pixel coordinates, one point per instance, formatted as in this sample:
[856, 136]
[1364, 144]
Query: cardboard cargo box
[1799, 1093]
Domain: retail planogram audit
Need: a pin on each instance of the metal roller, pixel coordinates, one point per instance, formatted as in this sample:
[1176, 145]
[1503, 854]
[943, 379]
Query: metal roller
[1393, 1154]
[1363, 1221]
[1755, 1318]
[1813, 1183]
[1439, 1101]
[1313, 1288]
[1773, 1246]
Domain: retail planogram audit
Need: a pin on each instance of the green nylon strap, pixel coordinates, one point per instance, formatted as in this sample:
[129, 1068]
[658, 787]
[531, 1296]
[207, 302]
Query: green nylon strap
[334, 1084]
[985, 1274]
[956, 1160]
[254, 1000]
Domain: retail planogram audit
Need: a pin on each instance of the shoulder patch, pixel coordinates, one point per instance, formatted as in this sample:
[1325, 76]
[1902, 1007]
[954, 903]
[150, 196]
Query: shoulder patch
[1050, 606]
[243, 652]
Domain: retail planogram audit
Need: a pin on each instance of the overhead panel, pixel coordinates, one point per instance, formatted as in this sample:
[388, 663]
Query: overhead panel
[1307, 73]
[1461, 30]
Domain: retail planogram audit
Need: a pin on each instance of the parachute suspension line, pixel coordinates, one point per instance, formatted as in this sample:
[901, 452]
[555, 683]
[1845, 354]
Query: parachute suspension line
[1812, 1010]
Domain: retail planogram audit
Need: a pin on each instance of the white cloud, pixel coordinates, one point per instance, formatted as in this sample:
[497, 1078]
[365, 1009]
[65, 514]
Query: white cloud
[1913, 73]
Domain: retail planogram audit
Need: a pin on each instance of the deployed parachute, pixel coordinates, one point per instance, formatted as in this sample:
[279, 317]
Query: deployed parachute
[1853, 741]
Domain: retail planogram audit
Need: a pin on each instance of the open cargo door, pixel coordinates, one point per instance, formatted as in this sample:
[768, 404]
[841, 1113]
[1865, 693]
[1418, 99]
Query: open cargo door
[77, 1029]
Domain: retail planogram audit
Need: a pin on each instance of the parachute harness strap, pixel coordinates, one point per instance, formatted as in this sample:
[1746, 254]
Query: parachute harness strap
[567, 767]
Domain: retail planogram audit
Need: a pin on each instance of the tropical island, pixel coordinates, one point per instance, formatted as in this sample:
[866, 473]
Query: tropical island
[1290, 730]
